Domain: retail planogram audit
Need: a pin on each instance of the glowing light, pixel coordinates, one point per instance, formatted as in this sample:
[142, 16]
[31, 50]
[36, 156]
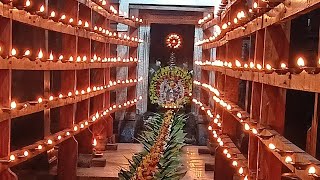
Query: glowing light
[28, 3]
[272, 146]
[255, 5]
[53, 14]
[75, 128]
[59, 137]
[60, 96]
[300, 62]
[40, 100]
[254, 131]
[268, 66]
[50, 98]
[13, 52]
[241, 170]
[27, 53]
[259, 66]
[13, 105]
[312, 170]
[238, 63]
[94, 143]
[49, 141]
[288, 159]
[25, 153]
[234, 163]
[40, 54]
[63, 17]
[210, 128]
[42, 9]
[246, 127]
[51, 56]
[283, 66]
[39, 147]
[12, 157]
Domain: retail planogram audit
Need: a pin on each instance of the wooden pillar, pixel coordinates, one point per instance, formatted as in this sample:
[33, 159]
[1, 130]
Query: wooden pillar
[222, 169]
[68, 150]
[276, 50]
[85, 137]
[255, 103]
[5, 95]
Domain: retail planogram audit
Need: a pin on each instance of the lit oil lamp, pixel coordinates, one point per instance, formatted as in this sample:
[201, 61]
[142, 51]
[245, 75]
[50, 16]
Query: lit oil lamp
[268, 69]
[283, 69]
[41, 11]
[27, 53]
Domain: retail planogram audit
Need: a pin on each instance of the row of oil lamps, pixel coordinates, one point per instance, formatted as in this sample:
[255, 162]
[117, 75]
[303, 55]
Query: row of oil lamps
[226, 150]
[267, 68]
[251, 127]
[101, 3]
[51, 141]
[80, 24]
[241, 18]
[50, 57]
[18, 106]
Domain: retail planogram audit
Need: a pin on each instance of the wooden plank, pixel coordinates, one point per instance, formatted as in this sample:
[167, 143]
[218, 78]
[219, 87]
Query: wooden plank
[38, 21]
[26, 64]
[283, 145]
[55, 141]
[30, 109]
[282, 12]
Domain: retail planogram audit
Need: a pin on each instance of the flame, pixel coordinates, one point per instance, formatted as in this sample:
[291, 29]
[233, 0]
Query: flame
[269, 67]
[51, 56]
[235, 20]
[312, 170]
[246, 127]
[272, 146]
[255, 5]
[42, 8]
[40, 54]
[94, 143]
[300, 62]
[28, 3]
[241, 170]
[52, 14]
[283, 66]
[238, 64]
[235, 163]
[13, 105]
[13, 52]
[27, 53]
[288, 159]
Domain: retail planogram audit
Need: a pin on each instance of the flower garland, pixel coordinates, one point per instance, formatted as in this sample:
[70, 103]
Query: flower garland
[162, 142]
[171, 87]
[148, 167]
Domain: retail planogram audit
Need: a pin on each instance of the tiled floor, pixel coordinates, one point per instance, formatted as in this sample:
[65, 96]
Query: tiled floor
[116, 159]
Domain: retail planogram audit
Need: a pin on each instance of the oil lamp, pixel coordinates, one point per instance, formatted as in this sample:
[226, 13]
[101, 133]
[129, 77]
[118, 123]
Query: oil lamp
[27, 53]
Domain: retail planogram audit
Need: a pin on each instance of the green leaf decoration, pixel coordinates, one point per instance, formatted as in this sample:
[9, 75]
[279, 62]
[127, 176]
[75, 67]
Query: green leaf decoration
[160, 158]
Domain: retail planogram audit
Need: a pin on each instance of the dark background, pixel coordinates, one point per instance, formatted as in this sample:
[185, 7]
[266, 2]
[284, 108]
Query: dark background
[159, 49]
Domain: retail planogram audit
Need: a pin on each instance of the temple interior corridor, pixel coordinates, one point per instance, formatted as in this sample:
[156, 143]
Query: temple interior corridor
[159, 89]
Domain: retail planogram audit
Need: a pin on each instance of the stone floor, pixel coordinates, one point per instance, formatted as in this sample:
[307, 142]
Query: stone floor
[115, 159]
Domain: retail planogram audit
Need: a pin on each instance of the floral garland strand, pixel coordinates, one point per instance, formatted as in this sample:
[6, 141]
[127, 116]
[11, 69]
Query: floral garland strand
[148, 167]
[162, 141]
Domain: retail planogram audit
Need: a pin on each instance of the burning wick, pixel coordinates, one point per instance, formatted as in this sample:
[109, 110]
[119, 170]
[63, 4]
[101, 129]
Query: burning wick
[300, 62]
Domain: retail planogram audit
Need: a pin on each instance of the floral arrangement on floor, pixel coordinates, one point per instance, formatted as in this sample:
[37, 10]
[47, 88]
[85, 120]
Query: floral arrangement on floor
[162, 142]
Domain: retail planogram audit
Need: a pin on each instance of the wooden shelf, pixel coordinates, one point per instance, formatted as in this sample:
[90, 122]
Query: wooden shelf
[211, 23]
[302, 81]
[279, 141]
[45, 147]
[26, 64]
[282, 12]
[97, 8]
[37, 21]
[38, 107]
